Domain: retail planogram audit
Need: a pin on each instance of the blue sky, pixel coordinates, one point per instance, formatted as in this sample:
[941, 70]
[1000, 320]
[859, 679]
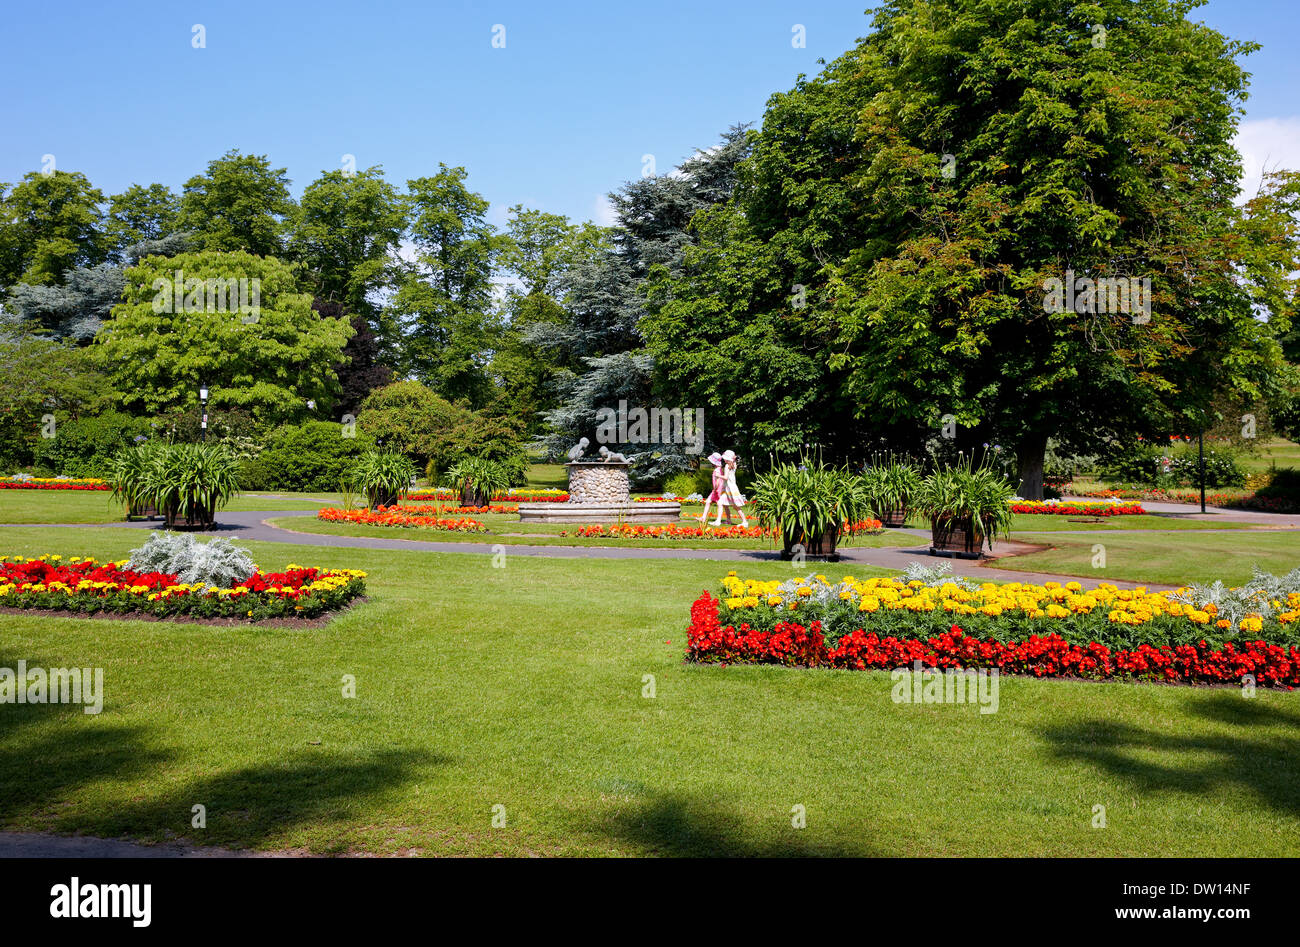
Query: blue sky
[562, 114]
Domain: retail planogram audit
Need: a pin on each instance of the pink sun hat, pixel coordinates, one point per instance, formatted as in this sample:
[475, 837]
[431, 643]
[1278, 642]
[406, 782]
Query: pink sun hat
[715, 459]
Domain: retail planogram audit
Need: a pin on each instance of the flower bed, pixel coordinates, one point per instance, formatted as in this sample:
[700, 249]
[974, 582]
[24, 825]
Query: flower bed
[53, 483]
[1076, 508]
[671, 531]
[509, 496]
[401, 517]
[87, 586]
[1051, 630]
[1238, 499]
[426, 510]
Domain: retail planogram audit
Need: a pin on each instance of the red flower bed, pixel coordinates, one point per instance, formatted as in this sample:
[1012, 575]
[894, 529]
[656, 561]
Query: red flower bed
[519, 496]
[796, 645]
[88, 586]
[425, 510]
[671, 531]
[53, 485]
[398, 516]
[1075, 508]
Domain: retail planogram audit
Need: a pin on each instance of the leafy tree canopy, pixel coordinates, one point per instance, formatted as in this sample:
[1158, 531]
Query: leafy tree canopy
[241, 203]
[884, 260]
[269, 361]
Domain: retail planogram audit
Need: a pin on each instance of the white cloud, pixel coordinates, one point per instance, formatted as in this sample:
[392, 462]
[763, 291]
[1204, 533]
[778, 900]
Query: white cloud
[1270, 144]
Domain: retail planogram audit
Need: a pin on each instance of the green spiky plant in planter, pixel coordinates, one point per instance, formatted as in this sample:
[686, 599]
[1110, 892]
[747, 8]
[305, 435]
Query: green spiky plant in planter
[967, 506]
[186, 483]
[383, 476]
[892, 485]
[477, 479]
[126, 475]
[808, 504]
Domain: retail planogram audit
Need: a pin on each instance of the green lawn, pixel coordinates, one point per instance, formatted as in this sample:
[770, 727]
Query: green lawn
[507, 530]
[1275, 453]
[522, 687]
[1051, 522]
[1204, 557]
[76, 506]
[550, 476]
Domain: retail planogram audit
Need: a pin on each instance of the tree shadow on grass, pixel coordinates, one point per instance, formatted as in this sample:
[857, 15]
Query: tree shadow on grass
[255, 804]
[1267, 765]
[680, 826]
[49, 752]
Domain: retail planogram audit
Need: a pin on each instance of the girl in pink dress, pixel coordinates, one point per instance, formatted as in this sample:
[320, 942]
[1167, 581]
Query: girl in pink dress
[730, 493]
[719, 483]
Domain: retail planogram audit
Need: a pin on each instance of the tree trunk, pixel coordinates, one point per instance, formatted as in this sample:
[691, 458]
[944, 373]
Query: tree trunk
[1030, 452]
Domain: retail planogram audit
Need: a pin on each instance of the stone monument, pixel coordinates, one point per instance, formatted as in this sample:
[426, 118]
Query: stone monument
[599, 493]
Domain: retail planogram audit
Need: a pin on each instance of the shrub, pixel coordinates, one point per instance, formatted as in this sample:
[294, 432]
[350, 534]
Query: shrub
[685, 483]
[216, 563]
[310, 457]
[382, 476]
[1174, 467]
[86, 446]
[407, 417]
[1283, 484]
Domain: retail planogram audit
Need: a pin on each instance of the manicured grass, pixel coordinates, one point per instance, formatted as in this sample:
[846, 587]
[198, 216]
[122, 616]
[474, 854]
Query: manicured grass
[1163, 559]
[507, 530]
[76, 506]
[550, 476]
[523, 687]
[1278, 452]
[1050, 522]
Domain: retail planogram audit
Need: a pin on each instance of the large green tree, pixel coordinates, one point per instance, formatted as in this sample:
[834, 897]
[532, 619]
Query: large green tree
[541, 253]
[344, 231]
[41, 378]
[49, 223]
[444, 297]
[888, 254]
[140, 214]
[178, 327]
[239, 203]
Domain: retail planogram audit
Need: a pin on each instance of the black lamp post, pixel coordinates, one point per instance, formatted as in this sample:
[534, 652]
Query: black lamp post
[1200, 463]
[203, 401]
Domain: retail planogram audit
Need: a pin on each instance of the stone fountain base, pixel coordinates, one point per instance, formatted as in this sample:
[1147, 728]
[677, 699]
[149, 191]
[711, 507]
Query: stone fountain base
[666, 512]
[599, 493]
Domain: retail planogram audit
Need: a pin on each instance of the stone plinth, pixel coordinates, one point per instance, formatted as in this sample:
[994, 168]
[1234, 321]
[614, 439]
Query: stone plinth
[599, 493]
[598, 483]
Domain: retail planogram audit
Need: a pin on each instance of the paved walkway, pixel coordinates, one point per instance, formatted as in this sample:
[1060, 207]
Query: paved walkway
[45, 845]
[254, 525]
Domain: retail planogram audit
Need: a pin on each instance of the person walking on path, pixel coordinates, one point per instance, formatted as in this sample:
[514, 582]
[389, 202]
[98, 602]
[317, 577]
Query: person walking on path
[718, 482]
[731, 495]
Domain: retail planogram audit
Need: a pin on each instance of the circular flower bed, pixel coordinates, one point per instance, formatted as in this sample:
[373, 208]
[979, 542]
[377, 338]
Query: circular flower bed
[87, 586]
